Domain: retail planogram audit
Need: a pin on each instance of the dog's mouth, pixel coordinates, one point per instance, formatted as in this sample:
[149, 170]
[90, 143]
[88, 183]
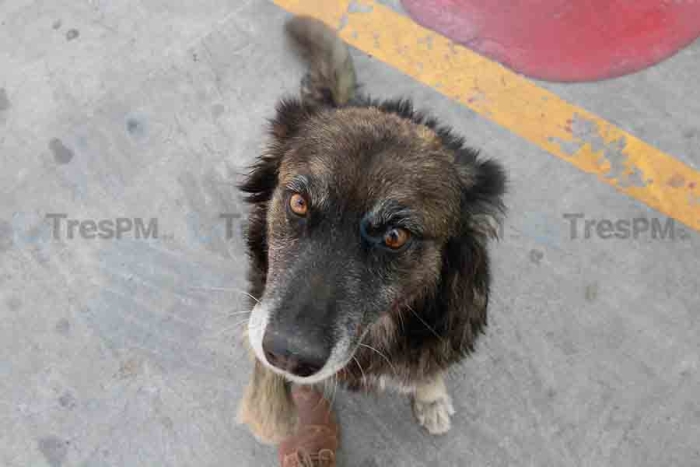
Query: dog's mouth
[299, 360]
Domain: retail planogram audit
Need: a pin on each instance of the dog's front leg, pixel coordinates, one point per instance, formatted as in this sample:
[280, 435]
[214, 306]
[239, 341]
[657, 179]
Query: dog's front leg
[267, 406]
[432, 405]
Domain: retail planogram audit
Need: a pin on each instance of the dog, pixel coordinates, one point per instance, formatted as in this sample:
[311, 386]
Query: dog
[367, 237]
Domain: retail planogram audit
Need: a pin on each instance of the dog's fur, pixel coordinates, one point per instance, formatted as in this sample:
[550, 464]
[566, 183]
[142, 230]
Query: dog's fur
[326, 286]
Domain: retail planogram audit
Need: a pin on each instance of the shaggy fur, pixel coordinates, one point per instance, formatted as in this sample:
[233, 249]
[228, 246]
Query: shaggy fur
[367, 165]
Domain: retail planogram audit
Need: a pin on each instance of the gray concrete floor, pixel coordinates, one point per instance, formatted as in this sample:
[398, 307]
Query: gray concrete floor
[127, 352]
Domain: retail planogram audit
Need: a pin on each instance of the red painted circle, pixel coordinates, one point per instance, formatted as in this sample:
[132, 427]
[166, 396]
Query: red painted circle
[565, 40]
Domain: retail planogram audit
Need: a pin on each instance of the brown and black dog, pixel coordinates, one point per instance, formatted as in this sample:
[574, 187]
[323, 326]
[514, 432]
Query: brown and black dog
[368, 240]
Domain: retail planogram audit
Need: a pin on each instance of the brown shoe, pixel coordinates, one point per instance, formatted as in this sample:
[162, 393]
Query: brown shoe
[316, 440]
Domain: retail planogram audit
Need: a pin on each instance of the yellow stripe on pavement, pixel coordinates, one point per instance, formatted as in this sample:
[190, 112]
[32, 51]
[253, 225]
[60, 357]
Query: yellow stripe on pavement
[569, 132]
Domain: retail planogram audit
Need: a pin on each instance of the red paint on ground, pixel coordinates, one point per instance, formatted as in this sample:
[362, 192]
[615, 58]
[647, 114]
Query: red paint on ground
[562, 40]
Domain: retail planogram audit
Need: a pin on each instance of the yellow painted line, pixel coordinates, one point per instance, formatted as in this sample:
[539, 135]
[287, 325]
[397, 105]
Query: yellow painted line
[512, 101]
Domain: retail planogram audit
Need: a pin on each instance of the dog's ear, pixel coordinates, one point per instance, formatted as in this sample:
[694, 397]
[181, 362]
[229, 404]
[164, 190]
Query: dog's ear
[483, 187]
[464, 293]
[262, 178]
[291, 115]
[461, 309]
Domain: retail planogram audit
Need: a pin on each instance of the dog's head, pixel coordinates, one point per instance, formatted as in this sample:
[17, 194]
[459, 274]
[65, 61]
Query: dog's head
[356, 212]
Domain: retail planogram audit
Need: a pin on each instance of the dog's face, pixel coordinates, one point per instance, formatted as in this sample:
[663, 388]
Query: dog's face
[362, 207]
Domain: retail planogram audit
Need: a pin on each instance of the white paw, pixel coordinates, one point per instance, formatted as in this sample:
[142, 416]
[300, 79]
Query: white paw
[434, 415]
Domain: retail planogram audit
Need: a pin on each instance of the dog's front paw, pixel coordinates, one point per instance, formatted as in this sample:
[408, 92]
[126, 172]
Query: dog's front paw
[267, 407]
[434, 415]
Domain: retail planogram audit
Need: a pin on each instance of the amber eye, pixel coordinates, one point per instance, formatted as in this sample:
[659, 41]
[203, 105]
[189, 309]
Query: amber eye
[396, 238]
[298, 205]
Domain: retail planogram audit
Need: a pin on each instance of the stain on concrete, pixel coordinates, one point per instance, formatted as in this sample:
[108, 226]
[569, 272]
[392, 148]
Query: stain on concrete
[72, 34]
[14, 303]
[356, 7]
[57, 24]
[536, 256]
[61, 153]
[167, 422]
[5, 103]
[132, 125]
[591, 293]
[68, 401]
[7, 235]
[63, 327]
[676, 181]
[691, 133]
[54, 450]
[477, 97]
[129, 369]
[135, 127]
[217, 110]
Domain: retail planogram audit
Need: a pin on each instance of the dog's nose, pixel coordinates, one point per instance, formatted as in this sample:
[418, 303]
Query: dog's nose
[299, 361]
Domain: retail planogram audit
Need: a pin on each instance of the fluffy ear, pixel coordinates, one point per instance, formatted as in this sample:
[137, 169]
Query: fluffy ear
[262, 178]
[454, 317]
[483, 187]
[460, 311]
[465, 292]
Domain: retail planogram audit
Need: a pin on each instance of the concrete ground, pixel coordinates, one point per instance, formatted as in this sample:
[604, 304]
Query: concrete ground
[126, 352]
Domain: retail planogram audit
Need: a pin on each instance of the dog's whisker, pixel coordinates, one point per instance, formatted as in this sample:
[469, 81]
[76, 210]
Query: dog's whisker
[425, 324]
[335, 390]
[364, 378]
[226, 289]
[228, 314]
[235, 313]
[381, 355]
[400, 316]
[236, 325]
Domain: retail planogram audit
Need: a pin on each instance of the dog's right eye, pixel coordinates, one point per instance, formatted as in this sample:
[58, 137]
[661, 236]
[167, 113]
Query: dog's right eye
[298, 205]
[396, 238]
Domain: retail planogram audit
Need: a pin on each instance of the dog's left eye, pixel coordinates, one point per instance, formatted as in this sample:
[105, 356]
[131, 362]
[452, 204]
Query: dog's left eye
[298, 205]
[396, 238]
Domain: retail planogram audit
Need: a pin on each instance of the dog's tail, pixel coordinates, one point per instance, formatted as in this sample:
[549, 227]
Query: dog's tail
[331, 79]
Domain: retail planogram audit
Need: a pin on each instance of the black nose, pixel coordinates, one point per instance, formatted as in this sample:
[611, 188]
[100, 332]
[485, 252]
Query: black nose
[298, 359]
